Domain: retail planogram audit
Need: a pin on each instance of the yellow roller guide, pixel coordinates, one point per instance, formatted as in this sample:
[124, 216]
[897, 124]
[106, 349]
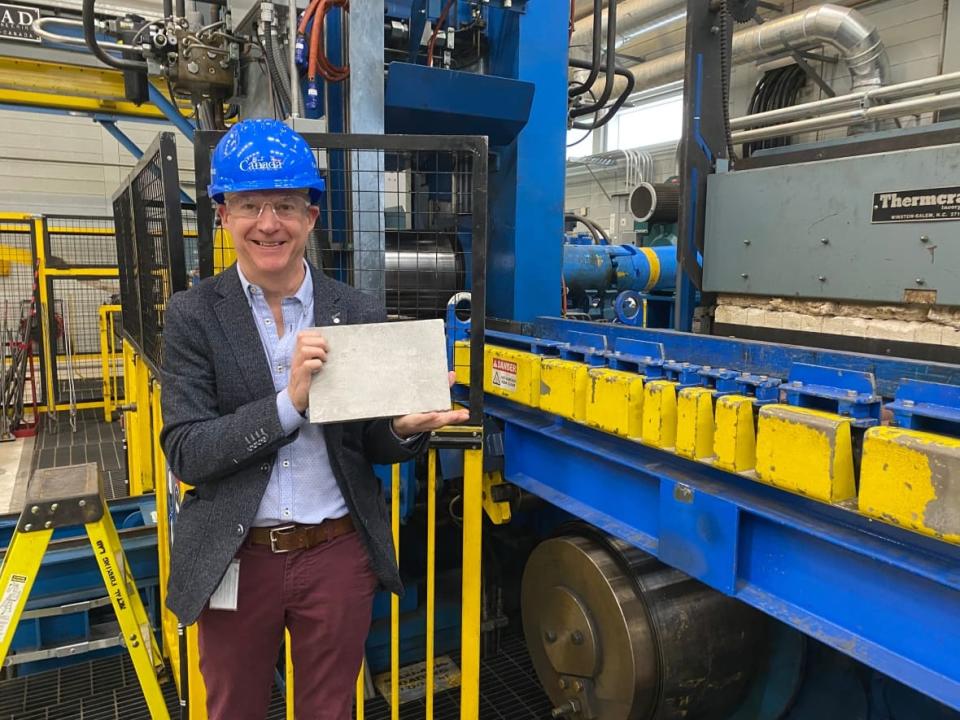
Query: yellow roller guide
[734, 438]
[563, 387]
[660, 414]
[614, 401]
[512, 374]
[912, 478]
[806, 451]
[695, 423]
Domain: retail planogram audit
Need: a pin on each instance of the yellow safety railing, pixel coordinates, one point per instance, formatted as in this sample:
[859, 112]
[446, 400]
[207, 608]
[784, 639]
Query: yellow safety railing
[111, 361]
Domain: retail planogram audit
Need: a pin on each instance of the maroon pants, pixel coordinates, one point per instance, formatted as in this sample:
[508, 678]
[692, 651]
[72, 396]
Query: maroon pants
[324, 597]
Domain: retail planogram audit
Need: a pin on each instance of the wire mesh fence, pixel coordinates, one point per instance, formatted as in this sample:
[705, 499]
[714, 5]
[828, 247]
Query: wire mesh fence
[150, 245]
[80, 242]
[403, 218]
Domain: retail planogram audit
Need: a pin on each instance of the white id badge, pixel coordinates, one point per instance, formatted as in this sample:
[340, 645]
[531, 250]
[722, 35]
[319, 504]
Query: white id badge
[225, 596]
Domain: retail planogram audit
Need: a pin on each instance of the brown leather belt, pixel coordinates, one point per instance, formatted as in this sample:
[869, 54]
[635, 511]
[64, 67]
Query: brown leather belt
[284, 538]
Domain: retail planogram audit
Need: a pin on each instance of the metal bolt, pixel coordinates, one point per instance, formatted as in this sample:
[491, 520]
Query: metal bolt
[824, 241]
[852, 393]
[714, 29]
[563, 683]
[822, 278]
[550, 636]
[578, 686]
[28, 527]
[192, 67]
[907, 403]
[48, 525]
[744, 275]
[924, 239]
[35, 509]
[82, 503]
[746, 242]
[576, 637]
[919, 281]
[54, 506]
[797, 383]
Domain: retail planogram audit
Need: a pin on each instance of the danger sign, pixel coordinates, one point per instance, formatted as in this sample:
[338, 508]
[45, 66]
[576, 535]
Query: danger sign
[504, 374]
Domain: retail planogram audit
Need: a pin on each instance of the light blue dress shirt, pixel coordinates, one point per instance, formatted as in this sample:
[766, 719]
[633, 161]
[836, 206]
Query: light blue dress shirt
[302, 487]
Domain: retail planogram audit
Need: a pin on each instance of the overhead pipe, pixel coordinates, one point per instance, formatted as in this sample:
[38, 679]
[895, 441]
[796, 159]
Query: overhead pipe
[845, 29]
[866, 98]
[927, 103]
[609, 71]
[632, 16]
[38, 27]
[596, 30]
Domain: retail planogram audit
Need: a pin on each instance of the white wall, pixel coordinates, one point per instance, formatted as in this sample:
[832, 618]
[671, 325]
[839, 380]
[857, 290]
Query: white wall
[56, 163]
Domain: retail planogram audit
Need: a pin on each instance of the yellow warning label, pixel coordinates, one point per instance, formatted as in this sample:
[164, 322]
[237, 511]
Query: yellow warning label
[413, 680]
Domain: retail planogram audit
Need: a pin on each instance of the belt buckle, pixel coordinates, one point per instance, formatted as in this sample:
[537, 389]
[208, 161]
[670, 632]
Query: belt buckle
[275, 533]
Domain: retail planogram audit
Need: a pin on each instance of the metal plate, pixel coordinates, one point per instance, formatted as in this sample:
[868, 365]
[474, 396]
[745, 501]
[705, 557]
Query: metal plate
[805, 230]
[381, 370]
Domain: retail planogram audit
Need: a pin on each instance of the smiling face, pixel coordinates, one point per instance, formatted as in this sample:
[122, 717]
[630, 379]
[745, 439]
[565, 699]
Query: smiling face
[270, 238]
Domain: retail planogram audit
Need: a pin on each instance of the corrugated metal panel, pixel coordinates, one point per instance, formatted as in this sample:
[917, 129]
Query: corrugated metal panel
[53, 163]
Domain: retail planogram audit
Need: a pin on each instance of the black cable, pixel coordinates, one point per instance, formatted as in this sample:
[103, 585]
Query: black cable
[590, 224]
[610, 67]
[595, 63]
[583, 221]
[627, 90]
[90, 37]
[275, 73]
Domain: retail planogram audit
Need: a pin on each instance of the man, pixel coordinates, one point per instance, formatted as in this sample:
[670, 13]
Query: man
[287, 525]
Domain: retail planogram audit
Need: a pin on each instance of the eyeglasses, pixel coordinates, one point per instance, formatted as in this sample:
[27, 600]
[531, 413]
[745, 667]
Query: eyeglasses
[250, 208]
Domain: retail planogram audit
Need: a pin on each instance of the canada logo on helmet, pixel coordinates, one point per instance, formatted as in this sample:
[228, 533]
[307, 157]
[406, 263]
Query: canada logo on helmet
[263, 154]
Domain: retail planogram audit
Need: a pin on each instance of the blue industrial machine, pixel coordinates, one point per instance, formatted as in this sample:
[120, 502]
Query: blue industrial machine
[710, 524]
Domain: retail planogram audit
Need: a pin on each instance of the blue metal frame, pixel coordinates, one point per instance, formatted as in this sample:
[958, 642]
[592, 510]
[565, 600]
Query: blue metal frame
[171, 112]
[877, 593]
[527, 178]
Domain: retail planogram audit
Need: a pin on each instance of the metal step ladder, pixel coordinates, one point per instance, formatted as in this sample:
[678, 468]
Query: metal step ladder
[67, 497]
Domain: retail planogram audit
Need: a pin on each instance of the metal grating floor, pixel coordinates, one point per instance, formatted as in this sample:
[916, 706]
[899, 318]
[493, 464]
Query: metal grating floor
[94, 441]
[107, 689]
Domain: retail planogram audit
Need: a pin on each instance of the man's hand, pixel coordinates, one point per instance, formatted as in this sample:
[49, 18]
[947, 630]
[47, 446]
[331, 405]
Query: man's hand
[409, 425]
[309, 354]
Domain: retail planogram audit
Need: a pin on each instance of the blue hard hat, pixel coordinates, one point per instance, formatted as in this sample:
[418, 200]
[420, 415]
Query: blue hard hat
[263, 155]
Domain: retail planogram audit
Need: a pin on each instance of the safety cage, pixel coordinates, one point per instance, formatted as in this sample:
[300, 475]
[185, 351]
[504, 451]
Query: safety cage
[403, 217]
[151, 253]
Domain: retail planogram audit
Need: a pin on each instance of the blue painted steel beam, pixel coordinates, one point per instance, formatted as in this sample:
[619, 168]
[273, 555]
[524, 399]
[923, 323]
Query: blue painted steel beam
[758, 358]
[171, 112]
[884, 596]
[110, 125]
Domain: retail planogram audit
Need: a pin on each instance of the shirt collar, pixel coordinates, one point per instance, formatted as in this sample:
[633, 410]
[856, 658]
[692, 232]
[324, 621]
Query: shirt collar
[304, 293]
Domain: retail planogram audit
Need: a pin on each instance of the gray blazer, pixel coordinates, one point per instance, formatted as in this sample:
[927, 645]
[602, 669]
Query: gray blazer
[221, 433]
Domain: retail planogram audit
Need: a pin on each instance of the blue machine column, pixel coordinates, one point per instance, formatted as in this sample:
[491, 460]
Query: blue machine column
[703, 144]
[527, 177]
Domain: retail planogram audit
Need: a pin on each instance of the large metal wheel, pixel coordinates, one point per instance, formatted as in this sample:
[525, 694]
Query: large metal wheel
[614, 634]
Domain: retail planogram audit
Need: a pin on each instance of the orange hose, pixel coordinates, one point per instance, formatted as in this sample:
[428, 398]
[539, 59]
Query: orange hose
[436, 29]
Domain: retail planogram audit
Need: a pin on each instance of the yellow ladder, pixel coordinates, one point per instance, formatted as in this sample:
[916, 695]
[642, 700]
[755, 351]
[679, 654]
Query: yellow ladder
[66, 497]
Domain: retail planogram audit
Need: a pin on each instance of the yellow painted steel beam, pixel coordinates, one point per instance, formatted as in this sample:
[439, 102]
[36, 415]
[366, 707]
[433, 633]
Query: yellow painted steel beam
[563, 388]
[431, 574]
[394, 598]
[806, 451]
[911, 478]
[660, 414]
[734, 438]
[695, 424]
[94, 273]
[76, 88]
[614, 402]
[472, 584]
